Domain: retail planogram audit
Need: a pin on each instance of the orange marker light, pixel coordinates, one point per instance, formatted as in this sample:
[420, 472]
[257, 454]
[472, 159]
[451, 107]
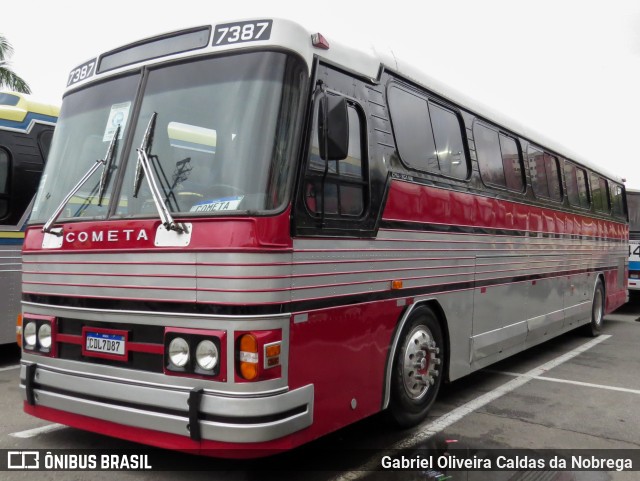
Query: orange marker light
[396, 284]
[19, 330]
[273, 350]
[248, 357]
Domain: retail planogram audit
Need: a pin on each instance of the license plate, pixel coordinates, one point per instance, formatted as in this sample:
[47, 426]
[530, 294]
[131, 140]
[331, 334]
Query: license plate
[105, 343]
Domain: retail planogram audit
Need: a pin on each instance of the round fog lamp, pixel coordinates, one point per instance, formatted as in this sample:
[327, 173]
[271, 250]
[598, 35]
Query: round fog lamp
[30, 334]
[44, 336]
[179, 352]
[207, 355]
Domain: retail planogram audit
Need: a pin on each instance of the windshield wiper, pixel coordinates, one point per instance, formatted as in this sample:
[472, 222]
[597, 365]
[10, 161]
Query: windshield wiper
[144, 170]
[106, 163]
[106, 172]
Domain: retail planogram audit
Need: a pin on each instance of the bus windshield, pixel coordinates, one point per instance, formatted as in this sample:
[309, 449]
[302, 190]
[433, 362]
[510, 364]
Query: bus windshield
[221, 142]
[633, 205]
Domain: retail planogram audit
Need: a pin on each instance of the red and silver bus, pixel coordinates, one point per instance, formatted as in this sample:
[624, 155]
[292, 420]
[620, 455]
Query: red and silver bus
[633, 205]
[249, 236]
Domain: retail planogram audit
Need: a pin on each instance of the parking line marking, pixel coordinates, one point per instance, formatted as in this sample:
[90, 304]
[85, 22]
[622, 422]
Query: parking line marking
[9, 368]
[569, 381]
[30, 433]
[446, 420]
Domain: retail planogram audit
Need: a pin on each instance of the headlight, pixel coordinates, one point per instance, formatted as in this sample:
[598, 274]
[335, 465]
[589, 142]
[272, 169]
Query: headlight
[44, 336]
[179, 352]
[30, 335]
[207, 355]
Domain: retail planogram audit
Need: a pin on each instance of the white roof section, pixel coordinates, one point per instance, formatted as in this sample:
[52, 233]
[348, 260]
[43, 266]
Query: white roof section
[366, 61]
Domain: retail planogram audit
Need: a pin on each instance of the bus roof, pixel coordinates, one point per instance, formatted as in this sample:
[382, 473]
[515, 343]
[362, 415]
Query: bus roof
[365, 60]
[19, 111]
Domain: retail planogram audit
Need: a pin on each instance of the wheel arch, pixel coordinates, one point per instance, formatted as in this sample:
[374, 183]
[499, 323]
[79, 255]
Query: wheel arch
[435, 306]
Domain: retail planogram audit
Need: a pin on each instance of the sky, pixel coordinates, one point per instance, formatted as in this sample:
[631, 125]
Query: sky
[568, 69]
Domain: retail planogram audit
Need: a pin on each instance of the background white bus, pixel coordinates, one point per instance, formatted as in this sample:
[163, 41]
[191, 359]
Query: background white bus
[633, 204]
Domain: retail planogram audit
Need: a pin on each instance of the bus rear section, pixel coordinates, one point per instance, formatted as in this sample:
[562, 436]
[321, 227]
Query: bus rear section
[26, 128]
[633, 203]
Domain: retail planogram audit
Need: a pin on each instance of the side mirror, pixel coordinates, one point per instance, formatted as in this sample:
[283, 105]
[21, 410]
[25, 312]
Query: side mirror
[333, 128]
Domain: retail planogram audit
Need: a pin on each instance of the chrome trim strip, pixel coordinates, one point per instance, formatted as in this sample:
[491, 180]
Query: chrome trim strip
[155, 313]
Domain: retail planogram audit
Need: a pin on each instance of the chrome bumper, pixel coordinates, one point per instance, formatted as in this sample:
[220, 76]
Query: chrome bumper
[196, 413]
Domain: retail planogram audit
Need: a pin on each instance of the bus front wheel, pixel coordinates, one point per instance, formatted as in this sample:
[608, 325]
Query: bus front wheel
[417, 368]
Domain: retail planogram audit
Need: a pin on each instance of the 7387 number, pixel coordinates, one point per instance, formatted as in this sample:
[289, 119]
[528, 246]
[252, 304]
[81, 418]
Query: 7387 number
[230, 33]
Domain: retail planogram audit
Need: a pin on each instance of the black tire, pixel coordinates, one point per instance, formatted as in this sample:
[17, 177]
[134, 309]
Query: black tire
[594, 328]
[418, 368]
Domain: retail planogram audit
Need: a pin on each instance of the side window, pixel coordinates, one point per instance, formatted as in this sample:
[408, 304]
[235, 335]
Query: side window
[545, 176]
[449, 148]
[5, 166]
[44, 141]
[512, 163]
[499, 158]
[617, 205]
[572, 184]
[599, 193]
[428, 136]
[553, 176]
[538, 172]
[489, 156]
[583, 188]
[345, 182]
[576, 185]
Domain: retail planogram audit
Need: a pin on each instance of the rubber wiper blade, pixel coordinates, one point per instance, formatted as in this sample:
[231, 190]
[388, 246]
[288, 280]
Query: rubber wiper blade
[146, 144]
[108, 160]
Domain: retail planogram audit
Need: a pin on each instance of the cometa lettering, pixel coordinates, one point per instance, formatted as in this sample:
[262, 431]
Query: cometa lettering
[114, 235]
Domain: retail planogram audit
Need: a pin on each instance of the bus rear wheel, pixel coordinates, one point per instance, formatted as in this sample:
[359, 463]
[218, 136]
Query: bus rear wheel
[417, 368]
[594, 328]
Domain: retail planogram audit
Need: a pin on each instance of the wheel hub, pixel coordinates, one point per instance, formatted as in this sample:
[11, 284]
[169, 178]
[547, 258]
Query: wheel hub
[420, 362]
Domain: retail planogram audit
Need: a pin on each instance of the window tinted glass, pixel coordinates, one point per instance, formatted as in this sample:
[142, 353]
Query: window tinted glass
[583, 188]
[545, 176]
[553, 176]
[489, 156]
[617, 207]
[344, 186]
[599, 193]
[428, 136]
[44, 140]
[572, 184]
[538, 173]
[633, 205]
[4, 172]
[4, 183]
[512, 163]
[412, 128]
[450, 151]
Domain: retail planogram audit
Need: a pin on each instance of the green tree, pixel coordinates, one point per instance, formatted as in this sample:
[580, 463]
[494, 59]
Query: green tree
[8, 78]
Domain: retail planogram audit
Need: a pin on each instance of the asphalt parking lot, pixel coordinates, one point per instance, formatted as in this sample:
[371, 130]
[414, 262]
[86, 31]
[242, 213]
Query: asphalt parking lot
[572, 392]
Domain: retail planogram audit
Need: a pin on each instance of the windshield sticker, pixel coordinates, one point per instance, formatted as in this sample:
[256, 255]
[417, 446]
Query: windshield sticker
[227, 203]
[117, 117]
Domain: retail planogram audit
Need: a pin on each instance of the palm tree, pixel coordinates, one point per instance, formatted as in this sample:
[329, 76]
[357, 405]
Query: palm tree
[8, 78]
